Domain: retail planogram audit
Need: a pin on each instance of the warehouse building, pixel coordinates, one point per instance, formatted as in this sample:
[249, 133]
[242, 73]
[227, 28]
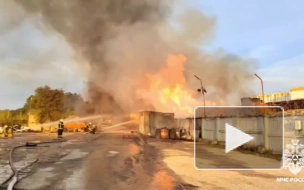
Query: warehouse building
[294, 94]
[150, 121]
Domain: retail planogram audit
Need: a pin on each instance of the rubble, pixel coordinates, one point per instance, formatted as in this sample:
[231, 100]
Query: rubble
[214, 142]
[262, 150]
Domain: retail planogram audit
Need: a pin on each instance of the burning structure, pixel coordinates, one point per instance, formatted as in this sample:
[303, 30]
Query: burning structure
[149, 122]
[134, 58]
[247, 101]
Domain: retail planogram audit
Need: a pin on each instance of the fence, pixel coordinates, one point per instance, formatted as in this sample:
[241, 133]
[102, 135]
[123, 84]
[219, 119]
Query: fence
[267, 131]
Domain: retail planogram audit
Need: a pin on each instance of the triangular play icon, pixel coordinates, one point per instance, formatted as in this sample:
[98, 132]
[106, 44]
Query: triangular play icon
[235, 138]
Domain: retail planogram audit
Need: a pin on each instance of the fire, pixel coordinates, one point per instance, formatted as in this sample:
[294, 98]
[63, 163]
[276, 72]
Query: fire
[172, 94]
[167, 90]
[132, 116]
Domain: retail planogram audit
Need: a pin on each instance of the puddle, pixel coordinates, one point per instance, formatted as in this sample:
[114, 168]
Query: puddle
[5, 172]
[73, 141]
[75, 181]
[75, 154]
[36, 181]
[48, 169]
[111, 153]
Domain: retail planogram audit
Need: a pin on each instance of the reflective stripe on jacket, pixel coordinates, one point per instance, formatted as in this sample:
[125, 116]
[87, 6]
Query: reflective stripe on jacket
[60, 126]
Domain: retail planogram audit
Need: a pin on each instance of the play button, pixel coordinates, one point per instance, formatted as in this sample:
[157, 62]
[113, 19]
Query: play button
[235, 138]
[230, 126]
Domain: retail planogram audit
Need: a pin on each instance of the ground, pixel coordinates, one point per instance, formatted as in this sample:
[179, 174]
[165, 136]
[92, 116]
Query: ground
[124, 160]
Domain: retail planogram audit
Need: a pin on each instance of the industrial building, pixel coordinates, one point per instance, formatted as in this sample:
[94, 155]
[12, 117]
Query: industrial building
[293, 100]
[294, 94]
[150, 121]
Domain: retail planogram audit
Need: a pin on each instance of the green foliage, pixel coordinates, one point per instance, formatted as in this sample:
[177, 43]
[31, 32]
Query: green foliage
[49, 105]
[49, 102]
[8, 117]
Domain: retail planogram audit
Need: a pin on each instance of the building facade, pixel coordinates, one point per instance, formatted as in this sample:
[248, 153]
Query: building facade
[149, 121]
[294, 94]
[297, 93]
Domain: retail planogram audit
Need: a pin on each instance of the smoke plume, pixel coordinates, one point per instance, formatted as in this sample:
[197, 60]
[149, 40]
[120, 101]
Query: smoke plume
[122, 40]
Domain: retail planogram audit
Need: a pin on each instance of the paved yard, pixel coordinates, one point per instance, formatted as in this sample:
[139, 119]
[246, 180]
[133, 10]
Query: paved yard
[119, 160]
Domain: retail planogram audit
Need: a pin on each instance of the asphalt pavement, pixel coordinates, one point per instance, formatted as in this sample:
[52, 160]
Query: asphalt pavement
[113, 160]
[119, 159]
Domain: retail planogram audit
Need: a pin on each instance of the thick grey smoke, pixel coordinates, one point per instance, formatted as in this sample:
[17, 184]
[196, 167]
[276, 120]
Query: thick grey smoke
[122, 40]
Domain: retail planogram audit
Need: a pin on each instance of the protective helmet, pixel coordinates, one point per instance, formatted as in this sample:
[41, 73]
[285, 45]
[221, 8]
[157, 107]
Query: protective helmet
[61, 120]
[90, 123]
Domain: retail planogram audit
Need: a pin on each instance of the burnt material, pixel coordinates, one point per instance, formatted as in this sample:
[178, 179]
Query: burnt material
[172, 134]
[289, 105]
[157, 133]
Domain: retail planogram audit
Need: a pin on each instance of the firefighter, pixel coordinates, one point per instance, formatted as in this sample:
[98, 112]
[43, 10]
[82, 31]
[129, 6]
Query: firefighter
[4, 132]
[87, 128]
[60, 128]
[10, 132]
[93, 129]
[7, 131]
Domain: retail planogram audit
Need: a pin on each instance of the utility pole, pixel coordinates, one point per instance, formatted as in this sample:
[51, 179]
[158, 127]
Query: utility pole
[262, 84]
[262, 87]
[203, 91]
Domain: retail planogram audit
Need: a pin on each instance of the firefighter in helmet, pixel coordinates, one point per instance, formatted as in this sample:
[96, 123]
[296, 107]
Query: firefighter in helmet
[93, 129]
[87, 128]
[60, 128]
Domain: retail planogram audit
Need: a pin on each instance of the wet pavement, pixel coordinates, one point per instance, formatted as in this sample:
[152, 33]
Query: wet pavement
[121, 160]
[112, 160]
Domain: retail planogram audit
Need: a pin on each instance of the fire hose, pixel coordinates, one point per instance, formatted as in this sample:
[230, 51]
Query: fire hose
[14, 176]
[16, 172]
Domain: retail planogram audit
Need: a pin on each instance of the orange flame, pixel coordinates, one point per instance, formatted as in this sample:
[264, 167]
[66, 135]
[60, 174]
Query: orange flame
[167, 90]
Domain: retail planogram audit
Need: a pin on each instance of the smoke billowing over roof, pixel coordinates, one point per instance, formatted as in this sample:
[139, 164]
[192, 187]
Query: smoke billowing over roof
[118, 42]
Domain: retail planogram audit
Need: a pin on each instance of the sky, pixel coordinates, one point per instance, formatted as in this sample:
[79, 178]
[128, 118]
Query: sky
[271, 32]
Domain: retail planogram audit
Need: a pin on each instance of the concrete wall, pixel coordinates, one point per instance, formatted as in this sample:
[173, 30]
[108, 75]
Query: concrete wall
[188, 125]
[267, 131]
[297, 93]
[150, 121]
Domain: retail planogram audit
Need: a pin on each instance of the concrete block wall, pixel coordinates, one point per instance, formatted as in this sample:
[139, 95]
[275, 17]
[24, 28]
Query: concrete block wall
[267, 131]
[289, 125]
[188, 125]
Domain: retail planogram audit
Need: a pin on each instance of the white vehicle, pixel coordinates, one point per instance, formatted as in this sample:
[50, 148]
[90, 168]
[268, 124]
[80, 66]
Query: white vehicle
[23, 129]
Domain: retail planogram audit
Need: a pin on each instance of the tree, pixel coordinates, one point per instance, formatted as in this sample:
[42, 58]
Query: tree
[49, 102]
[10, 117]
[27, 106]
